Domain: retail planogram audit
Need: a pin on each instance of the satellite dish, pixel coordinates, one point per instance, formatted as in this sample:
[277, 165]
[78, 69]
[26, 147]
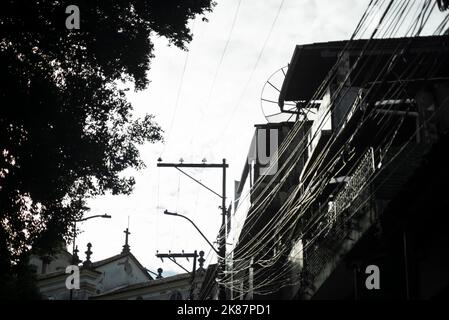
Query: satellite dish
[269, 99]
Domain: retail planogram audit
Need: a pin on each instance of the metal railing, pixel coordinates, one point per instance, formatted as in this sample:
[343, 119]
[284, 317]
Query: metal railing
[337, 220]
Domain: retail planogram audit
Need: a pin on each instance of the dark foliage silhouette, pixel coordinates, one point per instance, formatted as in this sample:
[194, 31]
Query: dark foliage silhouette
[66, 129]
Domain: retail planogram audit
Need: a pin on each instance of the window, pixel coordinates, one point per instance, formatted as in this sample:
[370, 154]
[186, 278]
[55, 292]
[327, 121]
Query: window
[176, 295]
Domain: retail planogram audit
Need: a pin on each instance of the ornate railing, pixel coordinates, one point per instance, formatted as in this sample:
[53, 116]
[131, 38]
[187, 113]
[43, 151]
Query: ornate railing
[354, 185]
[336, 221]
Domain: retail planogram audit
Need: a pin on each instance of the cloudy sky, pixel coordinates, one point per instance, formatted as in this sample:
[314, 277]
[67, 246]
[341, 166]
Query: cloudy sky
[207, 100]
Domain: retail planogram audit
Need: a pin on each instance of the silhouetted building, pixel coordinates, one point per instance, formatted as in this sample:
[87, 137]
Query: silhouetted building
[360, 178]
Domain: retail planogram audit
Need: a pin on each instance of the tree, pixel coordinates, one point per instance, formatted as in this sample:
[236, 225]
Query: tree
[66, 129]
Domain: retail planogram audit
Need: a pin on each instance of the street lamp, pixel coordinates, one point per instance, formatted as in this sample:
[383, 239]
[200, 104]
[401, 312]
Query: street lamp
[222, 240]
[95, 216]
[107, 216]
[180, 215]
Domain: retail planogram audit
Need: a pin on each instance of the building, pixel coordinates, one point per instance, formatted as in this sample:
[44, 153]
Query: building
[360, 180]
[120, 277]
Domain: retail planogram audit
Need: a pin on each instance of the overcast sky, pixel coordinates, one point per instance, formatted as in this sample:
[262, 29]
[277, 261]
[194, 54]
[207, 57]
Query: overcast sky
[209, 119]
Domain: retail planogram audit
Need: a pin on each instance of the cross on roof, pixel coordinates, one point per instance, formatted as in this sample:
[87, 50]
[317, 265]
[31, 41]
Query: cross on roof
[126, 246]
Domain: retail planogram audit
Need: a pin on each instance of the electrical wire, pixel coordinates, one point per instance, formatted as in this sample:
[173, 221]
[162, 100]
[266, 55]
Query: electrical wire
[422, 23]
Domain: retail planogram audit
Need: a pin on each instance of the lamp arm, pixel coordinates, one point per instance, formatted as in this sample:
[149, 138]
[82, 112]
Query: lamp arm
[204, 237]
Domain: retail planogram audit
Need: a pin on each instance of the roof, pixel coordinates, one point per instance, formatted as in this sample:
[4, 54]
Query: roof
[311, 63]
[103, 262]
[56, 274]
[120, 256]
[141, 285]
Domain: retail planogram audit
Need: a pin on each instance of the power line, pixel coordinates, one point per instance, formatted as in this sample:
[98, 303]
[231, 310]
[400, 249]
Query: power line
[217, 69]
[275, 225]
[178, 94]
[259, 56]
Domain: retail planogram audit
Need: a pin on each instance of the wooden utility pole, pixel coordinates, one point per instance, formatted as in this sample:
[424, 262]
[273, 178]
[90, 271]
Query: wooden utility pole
[222, 233]
[173, 256]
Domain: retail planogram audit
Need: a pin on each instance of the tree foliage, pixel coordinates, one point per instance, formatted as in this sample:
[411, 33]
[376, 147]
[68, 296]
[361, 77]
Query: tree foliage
[66, 129]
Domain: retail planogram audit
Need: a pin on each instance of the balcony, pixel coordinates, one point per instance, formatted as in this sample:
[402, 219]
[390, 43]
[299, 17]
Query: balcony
[341, 224]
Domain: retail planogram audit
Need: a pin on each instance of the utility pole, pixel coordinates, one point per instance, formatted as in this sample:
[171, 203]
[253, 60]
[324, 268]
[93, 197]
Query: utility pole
[173, 256]
[222, 234]
[222, 242]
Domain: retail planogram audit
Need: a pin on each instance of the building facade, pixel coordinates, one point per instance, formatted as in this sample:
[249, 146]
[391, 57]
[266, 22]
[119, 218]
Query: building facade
[356, 207]
[120, 277]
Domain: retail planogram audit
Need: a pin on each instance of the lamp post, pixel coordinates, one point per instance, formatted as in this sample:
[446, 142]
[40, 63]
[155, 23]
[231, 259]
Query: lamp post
[107, 216]
[202, 234]
[195, 255]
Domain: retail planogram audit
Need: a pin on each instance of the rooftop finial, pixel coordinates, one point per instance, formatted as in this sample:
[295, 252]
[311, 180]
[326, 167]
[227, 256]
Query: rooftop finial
[88, 253]
[201, 260]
